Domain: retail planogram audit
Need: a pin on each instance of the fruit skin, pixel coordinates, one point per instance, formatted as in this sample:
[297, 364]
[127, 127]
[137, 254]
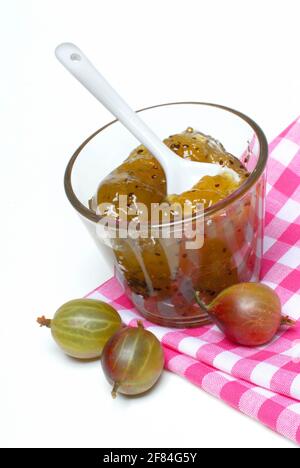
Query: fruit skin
[249, 314]
[132, 360]
[81, 327]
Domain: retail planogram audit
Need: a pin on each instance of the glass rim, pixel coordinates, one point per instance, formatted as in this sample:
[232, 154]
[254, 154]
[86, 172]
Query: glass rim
[237, 194]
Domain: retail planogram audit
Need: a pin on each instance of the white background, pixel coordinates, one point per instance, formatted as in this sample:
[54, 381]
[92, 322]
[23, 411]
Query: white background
[244, 54]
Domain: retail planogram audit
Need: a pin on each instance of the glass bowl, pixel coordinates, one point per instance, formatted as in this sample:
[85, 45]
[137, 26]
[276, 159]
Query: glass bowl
[161, 275]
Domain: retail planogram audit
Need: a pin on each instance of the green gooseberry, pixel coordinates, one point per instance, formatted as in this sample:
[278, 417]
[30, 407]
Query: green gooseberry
[82, 327]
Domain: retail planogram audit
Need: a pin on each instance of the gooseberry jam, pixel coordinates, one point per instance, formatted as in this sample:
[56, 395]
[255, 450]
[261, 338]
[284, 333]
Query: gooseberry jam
[161, 275]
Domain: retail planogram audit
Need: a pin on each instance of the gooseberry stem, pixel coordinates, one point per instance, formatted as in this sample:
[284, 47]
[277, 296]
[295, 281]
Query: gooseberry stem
[115, 390]
[288, 321]
[44, 322]
[200, 303]
[140, 324]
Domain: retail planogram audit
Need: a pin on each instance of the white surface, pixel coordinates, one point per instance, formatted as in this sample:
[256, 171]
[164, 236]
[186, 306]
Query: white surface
[243, 54]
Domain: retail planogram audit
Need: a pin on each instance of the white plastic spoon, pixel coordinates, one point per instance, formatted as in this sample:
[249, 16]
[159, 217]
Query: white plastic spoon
[181, 174]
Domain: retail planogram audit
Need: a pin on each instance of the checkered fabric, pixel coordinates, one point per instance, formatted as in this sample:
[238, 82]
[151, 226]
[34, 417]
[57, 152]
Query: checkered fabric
[262, 382]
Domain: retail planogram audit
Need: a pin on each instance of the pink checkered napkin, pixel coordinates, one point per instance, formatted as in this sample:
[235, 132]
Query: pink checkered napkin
[262, 382]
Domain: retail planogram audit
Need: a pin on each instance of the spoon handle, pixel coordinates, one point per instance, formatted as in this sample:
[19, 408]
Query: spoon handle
[84, 71]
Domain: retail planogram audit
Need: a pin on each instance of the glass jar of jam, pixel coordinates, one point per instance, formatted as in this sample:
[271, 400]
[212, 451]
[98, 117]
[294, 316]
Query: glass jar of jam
[160, 274]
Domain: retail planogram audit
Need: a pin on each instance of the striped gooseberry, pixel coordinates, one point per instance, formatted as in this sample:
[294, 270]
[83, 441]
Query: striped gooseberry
[132, 360]
[249, 314]
[82, 327]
